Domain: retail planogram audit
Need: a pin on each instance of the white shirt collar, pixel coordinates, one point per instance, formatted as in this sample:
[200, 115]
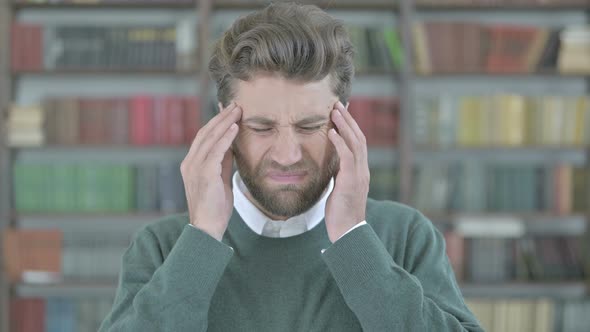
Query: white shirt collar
[256, 220]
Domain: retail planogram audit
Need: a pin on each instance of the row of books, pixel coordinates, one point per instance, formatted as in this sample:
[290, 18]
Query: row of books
[514, 315]
[378, 48]
[526, 259]
[156, 120]
[82, 249]
[472, 186]
[137, 120]
[378, 118]
[502, 120]
[93, 188]
[105, 1]
[85, 315]
[35, 47]
[320, 3]
[502, 2]
[384, 183]
[54, 255]
[58, 314]
[440, 47]
[469, 47]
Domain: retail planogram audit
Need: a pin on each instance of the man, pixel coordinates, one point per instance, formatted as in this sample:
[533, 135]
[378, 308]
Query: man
[290, 242]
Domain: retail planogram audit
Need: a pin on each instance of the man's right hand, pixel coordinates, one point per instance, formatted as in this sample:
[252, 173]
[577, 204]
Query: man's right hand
[206, 173]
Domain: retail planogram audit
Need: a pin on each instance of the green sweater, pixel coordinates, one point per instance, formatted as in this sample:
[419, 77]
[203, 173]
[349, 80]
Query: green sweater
[390, 275]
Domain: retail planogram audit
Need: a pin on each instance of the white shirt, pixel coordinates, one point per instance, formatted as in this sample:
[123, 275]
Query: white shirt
[256, 220]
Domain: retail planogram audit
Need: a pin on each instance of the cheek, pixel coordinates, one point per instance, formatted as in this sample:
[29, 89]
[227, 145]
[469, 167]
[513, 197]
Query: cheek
[252, 146]
[318, 146]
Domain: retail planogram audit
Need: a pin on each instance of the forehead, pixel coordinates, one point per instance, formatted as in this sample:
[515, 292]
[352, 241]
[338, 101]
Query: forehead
[278, 98]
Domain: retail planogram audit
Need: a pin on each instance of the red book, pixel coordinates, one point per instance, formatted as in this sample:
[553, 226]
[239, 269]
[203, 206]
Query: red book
[91, 121]
[192, 118]
[142, 120]
[27, 47]
[16, 314]
[455, 248]
[33, 315]
[175, 120]
[509, 48]
[36, 48]
[386, 121]
[160, 124]
[118, 123]
[16, 44]
[361, 109]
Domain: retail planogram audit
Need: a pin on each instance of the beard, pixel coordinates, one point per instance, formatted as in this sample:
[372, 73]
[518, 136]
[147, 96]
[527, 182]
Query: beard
[287, 200]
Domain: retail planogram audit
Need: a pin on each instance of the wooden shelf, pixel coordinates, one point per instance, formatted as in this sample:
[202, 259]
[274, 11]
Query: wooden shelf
[511, 6]
[527, 155]
[100, 222]
[107, 154]
[470, 75]
[76, 289]
[105, 5]
[562, 290]
[512, 225]
[108, 72]
[324, 4]
[378, 156]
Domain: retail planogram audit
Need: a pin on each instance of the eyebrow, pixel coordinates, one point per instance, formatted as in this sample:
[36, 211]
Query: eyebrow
[268, 122]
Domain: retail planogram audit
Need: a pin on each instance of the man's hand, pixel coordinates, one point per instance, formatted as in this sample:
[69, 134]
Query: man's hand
[206, 173]
[346, 205]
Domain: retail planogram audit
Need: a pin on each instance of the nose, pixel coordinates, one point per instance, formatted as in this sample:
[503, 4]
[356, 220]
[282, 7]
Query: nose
[286, 150]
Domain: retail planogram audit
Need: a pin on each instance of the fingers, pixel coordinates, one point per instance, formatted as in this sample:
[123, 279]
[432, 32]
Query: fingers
[212, 124]
[345, 154]
[346, 131]
[351, 122]
[215, 132]
[221, 147]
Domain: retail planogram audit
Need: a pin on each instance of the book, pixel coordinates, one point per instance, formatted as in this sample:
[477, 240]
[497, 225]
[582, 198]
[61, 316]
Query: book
[32, 250]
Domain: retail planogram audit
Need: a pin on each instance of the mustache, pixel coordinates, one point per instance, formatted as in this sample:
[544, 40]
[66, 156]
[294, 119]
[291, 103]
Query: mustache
[271, 165]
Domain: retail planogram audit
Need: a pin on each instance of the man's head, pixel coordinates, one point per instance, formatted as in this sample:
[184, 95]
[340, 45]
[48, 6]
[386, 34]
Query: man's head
[286, 66]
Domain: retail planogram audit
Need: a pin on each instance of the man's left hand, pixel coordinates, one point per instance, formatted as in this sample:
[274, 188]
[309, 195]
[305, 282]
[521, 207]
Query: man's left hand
[347, 203]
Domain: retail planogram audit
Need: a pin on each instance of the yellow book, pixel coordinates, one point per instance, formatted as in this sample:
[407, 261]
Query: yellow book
[544, 313]
[483, 311]
[513, 120]
[582, 106]
[467, 126]
[501, 323]
[423, 63]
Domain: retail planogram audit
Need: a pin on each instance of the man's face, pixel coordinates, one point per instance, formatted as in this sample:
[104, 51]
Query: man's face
[282, 151]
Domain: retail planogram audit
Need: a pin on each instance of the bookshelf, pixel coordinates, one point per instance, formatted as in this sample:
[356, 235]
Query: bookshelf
[408, 84]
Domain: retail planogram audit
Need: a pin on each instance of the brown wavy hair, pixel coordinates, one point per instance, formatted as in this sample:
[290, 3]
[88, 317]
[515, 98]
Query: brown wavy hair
[298, 42]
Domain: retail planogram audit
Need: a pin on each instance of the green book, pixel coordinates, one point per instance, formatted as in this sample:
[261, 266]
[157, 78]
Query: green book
[23, 187]
[89, 182]
[64, 188]
[395, 47]
[121, 192]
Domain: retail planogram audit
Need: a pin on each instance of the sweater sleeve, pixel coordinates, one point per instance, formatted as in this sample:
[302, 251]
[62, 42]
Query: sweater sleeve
[171, 294]
[421, 296]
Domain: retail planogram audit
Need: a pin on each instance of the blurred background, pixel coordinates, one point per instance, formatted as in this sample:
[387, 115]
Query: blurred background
[476, 112]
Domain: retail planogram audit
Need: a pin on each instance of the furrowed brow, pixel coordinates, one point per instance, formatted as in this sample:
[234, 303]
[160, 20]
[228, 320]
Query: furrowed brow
[260, 121]
[311, 119]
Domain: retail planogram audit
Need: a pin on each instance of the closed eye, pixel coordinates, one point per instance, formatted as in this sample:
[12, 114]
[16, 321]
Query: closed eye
[261, 130]
[310, 129]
